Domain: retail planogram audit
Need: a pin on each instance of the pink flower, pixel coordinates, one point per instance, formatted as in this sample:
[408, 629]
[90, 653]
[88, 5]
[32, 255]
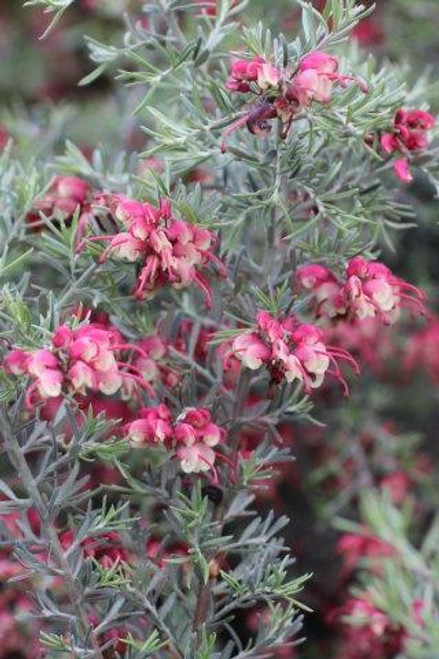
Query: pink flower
[82, 376]
[49, 383]
[401, 167]
[369, 290]
[196, 458]
[87, 359]
[397, 484]
[154, 426]
[369, 32]
[372, 290]
[4, 137]
[16, 362]
[367, 631]
[66, 195]
[168, 250]
[244, 72]
[327, 298]
[209, 7]
[71, 187]
[251, 350]
[192, 436]
[289, 350]
[409, 134]
[315, 77]
[39, 361]
[422, 351]
[280, 93]
[354, 547]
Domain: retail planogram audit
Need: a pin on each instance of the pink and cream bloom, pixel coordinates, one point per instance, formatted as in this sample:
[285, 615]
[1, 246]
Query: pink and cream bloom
[290, 351]
[371, 289]
[153, 362]
[196, 436]
[169, 251]
[251, 350]
[368, 290]
[282, 94]
[66, 196]
[314, 79]
[327, 298]
[16, 362]
[257, 71]
[153, 426]
[409, 134]
[191, 437]
[89, 358]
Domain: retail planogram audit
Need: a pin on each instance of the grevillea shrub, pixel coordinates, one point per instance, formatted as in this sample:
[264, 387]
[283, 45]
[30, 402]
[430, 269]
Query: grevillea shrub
[211, 322]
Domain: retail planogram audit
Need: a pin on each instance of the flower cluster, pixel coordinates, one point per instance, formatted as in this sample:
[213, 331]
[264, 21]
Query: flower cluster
[409, 135]
[152, 362]
[369, 290]
[289, 350]
[81, 360]
[422, 351]
[192, 435]
[66, 196]
[355, 547]
[282, 93]
[18, 636]
[371, 632]
[107, 549]
[170, 251]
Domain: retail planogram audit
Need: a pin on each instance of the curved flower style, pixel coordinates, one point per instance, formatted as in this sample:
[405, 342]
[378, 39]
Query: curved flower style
[192, 435]
[369, 290]
[290, 351]
[282, 93]
[409, 134]
[171, 251]
[78, 361]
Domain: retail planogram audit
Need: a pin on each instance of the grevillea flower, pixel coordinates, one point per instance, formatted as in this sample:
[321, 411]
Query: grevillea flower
[372, 290]
[367, 631]
[210, 7]
[397, 484]
[409, 134]
[191, 436]
[422, 351]
[66, 195]
[258, 71]
[169, 251]
[4, 137]
[369, 290]
[369, 32]
[107, 549]
[78, 361]
[153, 362]
[282, 93]
[290, 351]
[327, 293]
[355, 547]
